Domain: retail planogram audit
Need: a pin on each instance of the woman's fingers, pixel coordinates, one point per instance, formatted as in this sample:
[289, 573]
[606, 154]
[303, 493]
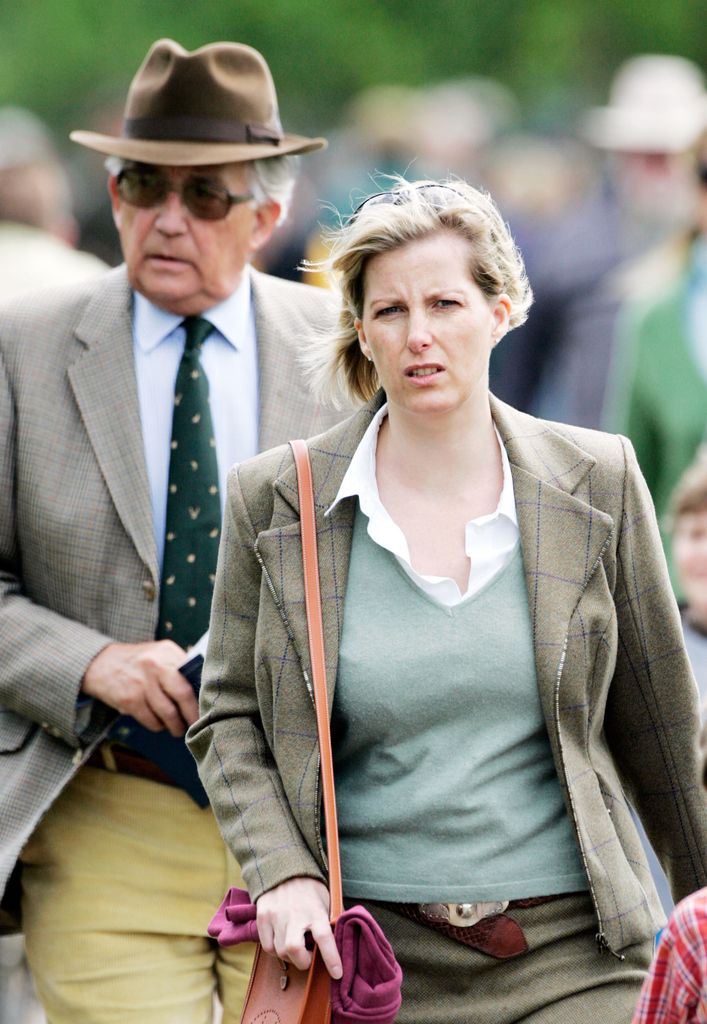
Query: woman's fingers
[292, 947]
[286, 913]
[266, 936]
[324, 938]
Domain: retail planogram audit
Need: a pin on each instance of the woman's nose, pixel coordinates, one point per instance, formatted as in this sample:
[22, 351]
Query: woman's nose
[418, 333]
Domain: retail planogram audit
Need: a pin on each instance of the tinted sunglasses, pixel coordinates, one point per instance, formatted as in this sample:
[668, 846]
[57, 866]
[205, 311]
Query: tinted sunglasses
[436, 195]
[206, 199]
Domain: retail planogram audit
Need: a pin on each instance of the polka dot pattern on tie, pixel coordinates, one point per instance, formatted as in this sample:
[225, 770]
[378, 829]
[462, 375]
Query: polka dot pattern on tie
[193, 504]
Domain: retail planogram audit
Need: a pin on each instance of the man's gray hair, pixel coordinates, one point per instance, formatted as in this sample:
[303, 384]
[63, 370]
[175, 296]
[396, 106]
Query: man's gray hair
[272, 178]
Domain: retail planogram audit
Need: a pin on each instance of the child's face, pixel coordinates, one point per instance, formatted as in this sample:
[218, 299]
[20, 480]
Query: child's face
[690, 555]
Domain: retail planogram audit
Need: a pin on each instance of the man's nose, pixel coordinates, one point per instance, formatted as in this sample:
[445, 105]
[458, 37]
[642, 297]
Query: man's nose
[171, 212]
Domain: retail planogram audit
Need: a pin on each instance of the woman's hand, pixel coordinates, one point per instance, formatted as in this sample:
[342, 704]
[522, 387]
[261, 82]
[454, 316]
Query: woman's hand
[289, 910]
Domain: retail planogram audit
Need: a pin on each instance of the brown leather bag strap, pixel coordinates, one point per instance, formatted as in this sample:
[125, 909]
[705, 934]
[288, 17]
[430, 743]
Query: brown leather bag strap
[313, 604]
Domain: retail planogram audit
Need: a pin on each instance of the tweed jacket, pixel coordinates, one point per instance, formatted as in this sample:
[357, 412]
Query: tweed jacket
[618, 696]
[78, 566]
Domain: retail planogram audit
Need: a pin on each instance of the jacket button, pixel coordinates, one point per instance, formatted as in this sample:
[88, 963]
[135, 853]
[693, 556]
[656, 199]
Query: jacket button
[149, 588]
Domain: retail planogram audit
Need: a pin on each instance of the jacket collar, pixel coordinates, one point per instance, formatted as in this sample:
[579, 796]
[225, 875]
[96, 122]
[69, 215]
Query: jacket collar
[562, 534]
[533, 447]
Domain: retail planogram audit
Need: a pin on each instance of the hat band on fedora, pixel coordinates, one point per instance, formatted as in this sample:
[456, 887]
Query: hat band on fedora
[199, 129]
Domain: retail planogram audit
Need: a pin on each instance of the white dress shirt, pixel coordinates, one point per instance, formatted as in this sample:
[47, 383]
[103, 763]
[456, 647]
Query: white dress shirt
[490, 540]
[229, 357]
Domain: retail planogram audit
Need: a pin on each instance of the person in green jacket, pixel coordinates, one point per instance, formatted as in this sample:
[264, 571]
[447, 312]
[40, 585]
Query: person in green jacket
[660, 391]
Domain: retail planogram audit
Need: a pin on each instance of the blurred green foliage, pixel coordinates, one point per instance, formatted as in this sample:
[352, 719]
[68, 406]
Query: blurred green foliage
[64, 58]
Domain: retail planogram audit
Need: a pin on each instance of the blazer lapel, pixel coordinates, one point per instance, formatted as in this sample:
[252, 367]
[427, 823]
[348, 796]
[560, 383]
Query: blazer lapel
[103, 381]
[562, 536]
[285, 406]
[280, 547]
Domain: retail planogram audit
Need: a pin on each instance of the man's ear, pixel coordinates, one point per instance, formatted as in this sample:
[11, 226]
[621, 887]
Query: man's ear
[267, 215]
[115, 200]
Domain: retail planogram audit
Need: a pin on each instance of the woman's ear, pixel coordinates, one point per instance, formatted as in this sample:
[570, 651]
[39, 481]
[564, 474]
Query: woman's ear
[363, 344]
[501, 313]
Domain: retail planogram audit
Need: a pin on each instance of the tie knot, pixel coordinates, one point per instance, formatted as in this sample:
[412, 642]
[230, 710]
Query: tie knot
[197, 330]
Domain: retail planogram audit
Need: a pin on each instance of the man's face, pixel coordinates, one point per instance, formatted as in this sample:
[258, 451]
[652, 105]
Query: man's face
[180, 262]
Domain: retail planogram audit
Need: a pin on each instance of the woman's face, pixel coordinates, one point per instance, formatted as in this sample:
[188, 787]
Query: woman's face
[428, 326]
[690, 555]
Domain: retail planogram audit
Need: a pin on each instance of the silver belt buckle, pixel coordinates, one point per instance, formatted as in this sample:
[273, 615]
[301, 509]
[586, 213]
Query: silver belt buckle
[464, 915]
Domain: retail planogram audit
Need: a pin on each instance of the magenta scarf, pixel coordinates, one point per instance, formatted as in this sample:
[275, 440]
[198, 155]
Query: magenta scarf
[369, 989]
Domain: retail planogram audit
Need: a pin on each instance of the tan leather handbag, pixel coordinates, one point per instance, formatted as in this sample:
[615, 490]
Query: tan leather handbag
[278, 993]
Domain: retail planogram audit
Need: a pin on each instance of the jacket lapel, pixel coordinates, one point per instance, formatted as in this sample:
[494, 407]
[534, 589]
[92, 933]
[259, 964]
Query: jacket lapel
[103, 381]
[280, 547]
[562, 536]
[286, 406]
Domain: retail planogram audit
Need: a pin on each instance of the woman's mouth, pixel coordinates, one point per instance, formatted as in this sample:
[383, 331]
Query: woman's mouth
[423, 371]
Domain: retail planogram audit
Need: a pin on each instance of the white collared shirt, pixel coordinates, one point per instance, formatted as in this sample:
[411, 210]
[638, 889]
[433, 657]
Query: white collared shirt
[229, 357]
[490, 540]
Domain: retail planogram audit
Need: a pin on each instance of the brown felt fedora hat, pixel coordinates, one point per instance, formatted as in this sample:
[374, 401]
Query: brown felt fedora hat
[215, 105]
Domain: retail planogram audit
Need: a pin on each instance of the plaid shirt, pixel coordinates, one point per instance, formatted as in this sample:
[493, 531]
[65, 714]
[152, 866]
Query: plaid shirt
[675, 990]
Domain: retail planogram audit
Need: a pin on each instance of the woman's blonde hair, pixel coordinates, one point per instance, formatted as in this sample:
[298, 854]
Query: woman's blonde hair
[414, 211]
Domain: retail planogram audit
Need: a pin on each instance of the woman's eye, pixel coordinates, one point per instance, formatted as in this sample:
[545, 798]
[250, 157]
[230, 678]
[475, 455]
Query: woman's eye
[388, 310]
[446, 303]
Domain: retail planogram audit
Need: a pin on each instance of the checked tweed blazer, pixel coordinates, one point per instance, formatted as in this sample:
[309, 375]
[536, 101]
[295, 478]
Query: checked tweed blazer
[615, 684]
[78, 566]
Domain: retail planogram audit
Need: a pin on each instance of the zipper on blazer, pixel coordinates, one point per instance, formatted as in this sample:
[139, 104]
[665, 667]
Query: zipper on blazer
[310, 691]
[600, 938]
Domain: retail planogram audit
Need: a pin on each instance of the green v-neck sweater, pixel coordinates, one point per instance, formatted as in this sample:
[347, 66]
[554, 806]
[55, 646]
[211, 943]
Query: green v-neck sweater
[446, 786]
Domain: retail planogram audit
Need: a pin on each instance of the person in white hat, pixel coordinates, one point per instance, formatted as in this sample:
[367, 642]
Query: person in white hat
[558, 364]
[38, 230]
[122, 404]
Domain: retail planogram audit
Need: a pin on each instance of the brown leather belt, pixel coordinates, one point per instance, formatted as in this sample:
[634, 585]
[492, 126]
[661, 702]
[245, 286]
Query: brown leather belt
[114, 758]
[495, 934]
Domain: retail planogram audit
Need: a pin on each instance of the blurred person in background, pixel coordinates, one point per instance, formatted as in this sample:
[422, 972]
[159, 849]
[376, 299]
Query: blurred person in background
[445, 128]
[687, 523]
[38, 230]
[377, 135]
[558, 363]
[456, 122]
[658, 394]
[123, 401]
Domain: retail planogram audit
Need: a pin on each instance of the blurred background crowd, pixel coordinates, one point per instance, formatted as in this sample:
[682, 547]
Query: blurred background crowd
[588, 126]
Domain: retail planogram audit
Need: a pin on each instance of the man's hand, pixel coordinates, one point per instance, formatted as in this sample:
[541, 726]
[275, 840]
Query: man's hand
[143, 680]
[289, 910]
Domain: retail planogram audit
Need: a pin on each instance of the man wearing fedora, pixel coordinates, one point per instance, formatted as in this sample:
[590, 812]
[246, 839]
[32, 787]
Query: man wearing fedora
[122, 404]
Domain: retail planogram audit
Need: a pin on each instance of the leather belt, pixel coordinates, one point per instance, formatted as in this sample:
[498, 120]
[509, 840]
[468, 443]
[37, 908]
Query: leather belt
[114, 758]
[484, 927]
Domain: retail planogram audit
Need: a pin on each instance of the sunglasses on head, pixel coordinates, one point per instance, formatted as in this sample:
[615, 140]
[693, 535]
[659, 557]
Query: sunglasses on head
[206, 199]
[436, 195]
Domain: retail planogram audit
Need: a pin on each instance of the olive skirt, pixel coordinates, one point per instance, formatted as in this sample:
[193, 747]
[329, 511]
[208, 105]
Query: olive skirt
[561, 979]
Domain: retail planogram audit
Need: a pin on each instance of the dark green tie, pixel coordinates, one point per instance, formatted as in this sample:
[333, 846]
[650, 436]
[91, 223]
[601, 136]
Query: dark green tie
[193, 507]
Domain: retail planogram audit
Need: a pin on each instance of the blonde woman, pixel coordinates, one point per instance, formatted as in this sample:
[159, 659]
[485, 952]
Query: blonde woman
[505, 657]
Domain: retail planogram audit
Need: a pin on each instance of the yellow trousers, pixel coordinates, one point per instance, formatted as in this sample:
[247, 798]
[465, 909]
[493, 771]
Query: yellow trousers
[119, 883]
